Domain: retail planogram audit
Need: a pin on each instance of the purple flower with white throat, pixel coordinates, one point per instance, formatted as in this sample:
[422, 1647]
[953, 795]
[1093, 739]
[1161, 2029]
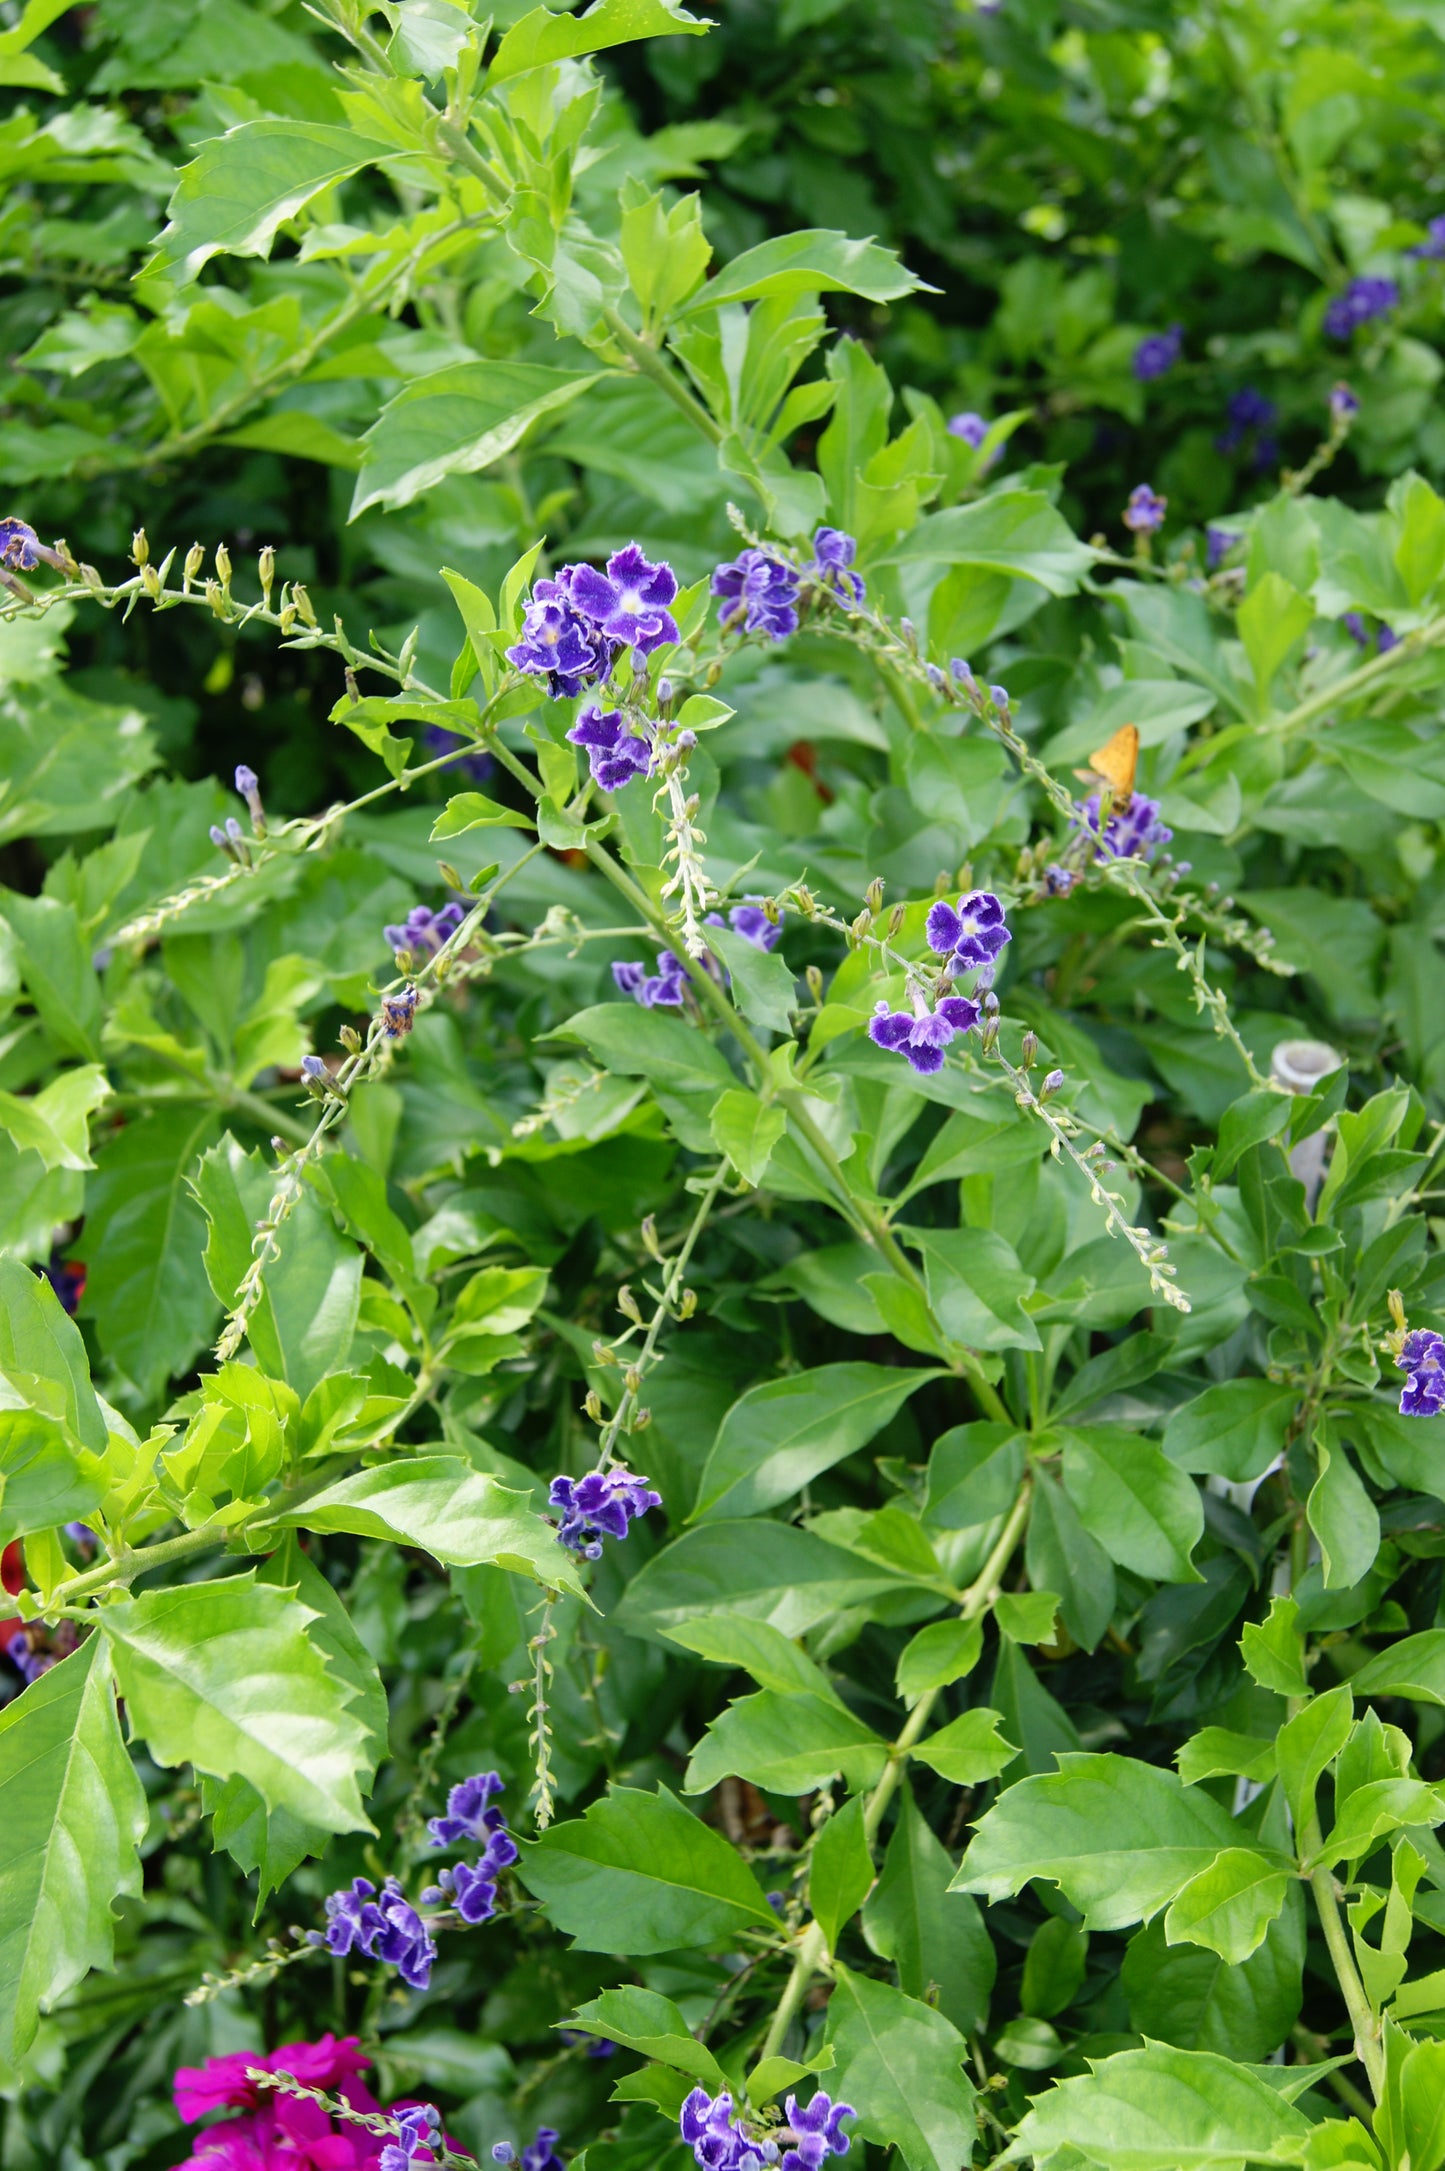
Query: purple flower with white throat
[615, 753]
[467, 1815]
[711, 2130]
[922, 1036]
[1145, 510]
[385, 1926]
[1157, 353]
[628, 603]
[972, 428]
[423, 931]
[817, 2132]
[973, 934]
[598, 1506]
[1422, 1356]
[758, 592]
[558, 643]
[420, 2125]
[833, 555]
[1131, 832]
[662, 990]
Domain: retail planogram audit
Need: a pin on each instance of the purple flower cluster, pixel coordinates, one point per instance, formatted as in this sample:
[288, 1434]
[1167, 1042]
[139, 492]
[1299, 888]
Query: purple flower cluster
[615, 753]
[1156, 355]
[1382, 639]
[471, 1888]
[833, 555]
[817, 2131]
[598, 1506]
[420, 2125]
[1218, 543]
[476, 767]
[1432, 248]
[22, 550]
[759, 593]
[538, 2155]
[1145, 510]
[423, 931]
[1362, 301]
[972, 428]
[1131, 832]
[384, 1926]
[1246, 411]
[1422, 1356]
[814, 2131]
[577, 624]
[660, 990]
[28, 1660]
[922, 1036]
[974, 934]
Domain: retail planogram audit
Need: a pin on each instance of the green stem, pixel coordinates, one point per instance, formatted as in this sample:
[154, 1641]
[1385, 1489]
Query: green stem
[651, 363]
[1368, 2045]
[1358, 681]
[812, 1947]
[126, 1566]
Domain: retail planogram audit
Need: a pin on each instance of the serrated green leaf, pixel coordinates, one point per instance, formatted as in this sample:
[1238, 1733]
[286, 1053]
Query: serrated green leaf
[241, 187]
[638, 1874]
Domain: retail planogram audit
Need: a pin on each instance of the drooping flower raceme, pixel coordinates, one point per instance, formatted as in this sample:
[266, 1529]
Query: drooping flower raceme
[423, 931]
[1145, 510]
[472, 1887]
[1157, 353]
[384, 1926]
[759, 593]
[1422, 1356]
[598, 1506]
[973, 934]
[1132, 832]
[833, 555]
[1362, 301]
[923, 1035]
[660, 990]
[615, 753]
[718, 2143]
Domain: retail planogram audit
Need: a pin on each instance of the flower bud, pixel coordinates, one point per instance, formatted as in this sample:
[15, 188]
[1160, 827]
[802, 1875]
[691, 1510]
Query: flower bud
[266, 566]
[449, 875]
[140, 549]
[1054, 1083]
[195, 559]
[664, 692]
[641, 1421]
[350, 1040]
[687, 1304]
[896, 918]
[603, 1354]
[649, 1235]
[990, 1004]
[150, 580]
[874, 894]
[223, 565]
[632, 1379]
[1029, 1049]
[302, 602]
[592, 1404]
[814, 978]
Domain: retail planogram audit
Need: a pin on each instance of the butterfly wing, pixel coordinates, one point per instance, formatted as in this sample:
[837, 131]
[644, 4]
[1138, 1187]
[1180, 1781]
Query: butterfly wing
[1116, 763]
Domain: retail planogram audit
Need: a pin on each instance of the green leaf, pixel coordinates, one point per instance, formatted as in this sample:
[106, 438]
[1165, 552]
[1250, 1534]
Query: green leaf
[762, 982]
[840, 1871]
[42, 1357]
[759, 1570]
[1118, 1837]
[1308, 1742]
[773, 1659]
[968, 1750]
[1272, 617]
[814, 261]
[1420, 549]
[542, 37]
[1232, 1431]
[1054, 1968]
[1026, 1616]
[1342, 1516]
[452, 1511]
[973, 1475]
[645, 1044]
[934, 1936]
[1373, 1811]
[643, 2021]
[1214, 1753]
[224, 1676]
[778, 1437]
[1013, 531]
[72, 1815]
[1188, 1996]
[1229, 1905]
[458, 420]
[1413, 1667]
[55, 1122]
[746, 1128]
[1163, 2110]
[638, 1873]
[901, 2063]
[1274, 1650]
[143, 1238]
[976, 1288]
[1144, 1511]
[1061, 1555]
[473, 810]
[787, 1744]
[942, 1653]
[44, 1480]
[55, 964]
[242, 187]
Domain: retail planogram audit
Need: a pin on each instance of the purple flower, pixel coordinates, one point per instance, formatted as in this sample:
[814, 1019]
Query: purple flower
[758, 592]
[628, 603]
[67, 1278]
[1433, 246]
[1145, 510]
[817, 2132]
[538, 2155]
[973, 429]
[1386, 639]
[599, 1506]
[833, 554]
[1383, 639]
[717, 2142]
[476, 766]
[398, 1013]
[420, 2125]
[471, 1888]
[386, 1928]
[1344, 405]
[662, 990]
[923, 1037]
[1422, 1356]
[22, 550]
[1218, 543]
[1156, 355]
[974, 934]
[29, 1662]
[615, 754]
[1362, 301]
[752, 923]
[557, 642]
[248, 784]
[596, 2046]
[467, 1815]
[1059, 880]
[423, 931]
[1131, 832]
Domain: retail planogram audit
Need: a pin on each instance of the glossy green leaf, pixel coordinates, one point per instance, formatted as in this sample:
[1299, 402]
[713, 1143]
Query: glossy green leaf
[778, 1437]
[1232, 1431]
[933, 1935]
[452, 1511]
[901, 2063]
[242, 187]
[456, 422]
[152, 1309]
[968, 1750]
[638, 1874]
[760, 1570]
[1143, 1511]
[840, 1870]
[1164, 2110]
[542, 36]
[787, 1744]
[643, 2021]
[817, 261]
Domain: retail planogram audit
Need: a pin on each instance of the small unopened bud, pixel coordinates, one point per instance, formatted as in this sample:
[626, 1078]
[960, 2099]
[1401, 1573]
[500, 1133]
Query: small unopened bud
[140, 549]
[641, 1421]
[627, 1305]
[449, 875]
[223, 565]
[603, 1354]
[687, 1304]
[248, 784]
[1054, 1083]
[350, 1040]
[649, 1235]
[632, 1379]
[989, 1037]
[685, 741]
[195, 559]
[990, 1003]
[910, 633]
[862, 926]
[712, 674]
[664, 692]
[592, 1404]
[150, 580]
[873, 895]
[814, 977]
[1028, 1050]
[998, 695]
[317, 1076]
[896, 917]
[935, 677]
[266, 567]
[353, 691]
[221, 841]
[92, 578]
[1397, 1308]
[287, 619]
[302, 602]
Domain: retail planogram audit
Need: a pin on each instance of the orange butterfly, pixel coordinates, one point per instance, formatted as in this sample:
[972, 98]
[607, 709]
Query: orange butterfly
[1115, 765]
